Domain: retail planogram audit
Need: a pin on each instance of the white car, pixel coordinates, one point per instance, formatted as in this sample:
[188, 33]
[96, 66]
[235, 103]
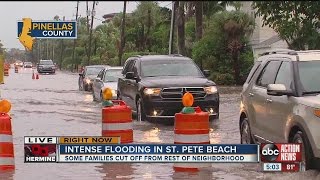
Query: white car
[107, 78]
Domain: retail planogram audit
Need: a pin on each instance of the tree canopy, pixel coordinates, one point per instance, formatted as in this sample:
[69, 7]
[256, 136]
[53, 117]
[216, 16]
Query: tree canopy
[297, 22]
[215, 38]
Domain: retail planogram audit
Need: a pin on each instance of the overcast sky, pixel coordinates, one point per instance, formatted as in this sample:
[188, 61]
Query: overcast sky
[12, 11]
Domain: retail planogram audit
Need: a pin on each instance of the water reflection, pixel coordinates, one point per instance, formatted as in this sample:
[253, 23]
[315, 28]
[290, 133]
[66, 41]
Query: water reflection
[88, 98]
[152, 135]
[7, 175]
[214, 134]
[202, 174]
[116, 170]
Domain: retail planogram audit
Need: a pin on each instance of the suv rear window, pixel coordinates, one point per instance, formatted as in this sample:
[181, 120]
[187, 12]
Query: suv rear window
[268, 74]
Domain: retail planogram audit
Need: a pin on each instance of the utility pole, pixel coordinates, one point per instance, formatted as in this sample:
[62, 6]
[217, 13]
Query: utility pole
[172, 27]
[87, 16]
[91, 27]
[62, 50]
[74, 41]
[122, 40]
[40, 49]
[53, 42]
[47, 44]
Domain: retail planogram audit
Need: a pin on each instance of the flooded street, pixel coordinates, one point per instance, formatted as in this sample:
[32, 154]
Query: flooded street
[53, 106]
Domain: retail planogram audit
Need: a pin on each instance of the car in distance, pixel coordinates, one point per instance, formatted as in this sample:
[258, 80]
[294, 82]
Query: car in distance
[18, 63]
[46, 66]
[153, 86]
[280, 102]
[87, 76]
[107, 78]
[27, 65]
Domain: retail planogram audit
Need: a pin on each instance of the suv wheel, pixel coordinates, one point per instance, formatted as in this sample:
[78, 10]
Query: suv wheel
[245, 132]
[306, 161]
[140, 112]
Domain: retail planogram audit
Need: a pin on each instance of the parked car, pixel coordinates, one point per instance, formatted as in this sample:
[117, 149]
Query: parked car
[87, 76]
[280, 102]
[46, 66]
[107, 78]
[154, 85]
[27, 65]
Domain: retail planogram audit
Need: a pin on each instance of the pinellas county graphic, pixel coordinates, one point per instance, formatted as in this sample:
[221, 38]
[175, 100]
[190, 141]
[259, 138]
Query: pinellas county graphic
[29, 30]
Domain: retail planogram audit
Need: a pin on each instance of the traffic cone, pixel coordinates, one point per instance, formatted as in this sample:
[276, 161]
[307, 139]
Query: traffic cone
[33, 75]
[116, 119]
[37, 76]
[191, 126]
[6, 140]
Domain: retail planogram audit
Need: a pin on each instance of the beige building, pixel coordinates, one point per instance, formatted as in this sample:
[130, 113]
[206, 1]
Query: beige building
[263, 38]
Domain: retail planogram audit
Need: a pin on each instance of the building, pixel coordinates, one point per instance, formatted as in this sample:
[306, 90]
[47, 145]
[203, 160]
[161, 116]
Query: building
[108, 17]
[263, 38]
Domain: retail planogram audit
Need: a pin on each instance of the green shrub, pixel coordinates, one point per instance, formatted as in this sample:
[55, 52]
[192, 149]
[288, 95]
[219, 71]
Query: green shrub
[222, 78]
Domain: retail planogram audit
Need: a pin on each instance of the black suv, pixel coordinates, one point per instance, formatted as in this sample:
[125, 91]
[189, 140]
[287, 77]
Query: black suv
[46, 66]
[153, 86]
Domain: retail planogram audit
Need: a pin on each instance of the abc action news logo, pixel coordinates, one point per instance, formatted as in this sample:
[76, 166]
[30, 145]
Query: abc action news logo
[281, 152]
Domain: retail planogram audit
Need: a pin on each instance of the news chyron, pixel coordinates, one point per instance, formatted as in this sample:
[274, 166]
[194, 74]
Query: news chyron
[281, 157]
[40, 149]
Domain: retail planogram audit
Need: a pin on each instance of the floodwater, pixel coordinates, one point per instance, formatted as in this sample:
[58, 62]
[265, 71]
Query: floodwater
[53, 106]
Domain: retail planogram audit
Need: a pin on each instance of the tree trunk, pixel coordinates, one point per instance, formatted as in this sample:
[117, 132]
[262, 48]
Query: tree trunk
[142, 38]
[148, 30]
[190, 6]
[181, 29]
[199, 20]
[236, 67]
[199, 24]
[61, 55]
[95, 47]
[172, 26]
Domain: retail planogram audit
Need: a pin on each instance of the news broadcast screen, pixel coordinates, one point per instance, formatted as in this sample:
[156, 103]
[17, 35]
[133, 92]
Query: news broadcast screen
[275, 157]
[160, 90]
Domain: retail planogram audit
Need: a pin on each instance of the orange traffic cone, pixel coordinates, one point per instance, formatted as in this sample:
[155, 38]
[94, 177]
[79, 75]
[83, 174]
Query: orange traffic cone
[6, 143]
[37, 76]
[33, 77]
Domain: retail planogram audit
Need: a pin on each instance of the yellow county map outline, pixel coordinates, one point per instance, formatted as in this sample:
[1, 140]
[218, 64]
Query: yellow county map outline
[24, 37]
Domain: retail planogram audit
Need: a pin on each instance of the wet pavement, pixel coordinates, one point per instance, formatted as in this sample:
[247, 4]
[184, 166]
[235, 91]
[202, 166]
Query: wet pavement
[53, 106]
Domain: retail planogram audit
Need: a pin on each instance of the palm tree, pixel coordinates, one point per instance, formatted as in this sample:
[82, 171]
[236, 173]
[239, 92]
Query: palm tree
[237, 26]
[181, 28]
[1, 48]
